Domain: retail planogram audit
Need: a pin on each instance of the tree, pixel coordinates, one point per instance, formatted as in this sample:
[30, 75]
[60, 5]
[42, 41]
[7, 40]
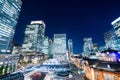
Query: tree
[1, 70]
[14, 68]
[10, 68]
[6, 69]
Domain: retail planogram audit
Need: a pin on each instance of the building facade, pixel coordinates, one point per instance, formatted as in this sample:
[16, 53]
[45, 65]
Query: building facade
[17, 49]
[70, 46]
[106, 67]
[9, 13]
[8, 63]
[45, 47]
[102, 48]
[116, 26]
[51, 48]
[34, 37]
[88, 46]
[59, 46]
[100, 70]
[111, 40]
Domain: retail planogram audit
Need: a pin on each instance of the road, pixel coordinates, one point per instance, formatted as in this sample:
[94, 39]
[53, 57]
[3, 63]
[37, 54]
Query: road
[53, 76]
[49, 76]
[27, 76]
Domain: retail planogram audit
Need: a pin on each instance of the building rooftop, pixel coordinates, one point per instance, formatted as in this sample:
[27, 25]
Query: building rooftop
[115, 21]
[104, 65]
[109, 50]
[92, 62]
[38, 22]
[109, 66]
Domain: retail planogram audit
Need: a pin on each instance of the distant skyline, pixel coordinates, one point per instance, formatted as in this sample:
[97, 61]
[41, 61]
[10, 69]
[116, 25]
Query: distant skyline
[76, 18]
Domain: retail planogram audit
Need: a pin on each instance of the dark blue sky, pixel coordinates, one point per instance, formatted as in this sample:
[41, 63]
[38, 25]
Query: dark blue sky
[76, 18]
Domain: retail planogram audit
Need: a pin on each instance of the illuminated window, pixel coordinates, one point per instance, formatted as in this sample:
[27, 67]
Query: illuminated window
[97, 75]
[109, 77]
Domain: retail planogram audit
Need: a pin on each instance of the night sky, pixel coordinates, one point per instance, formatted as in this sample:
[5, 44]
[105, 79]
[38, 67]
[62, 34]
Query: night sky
[76, 18]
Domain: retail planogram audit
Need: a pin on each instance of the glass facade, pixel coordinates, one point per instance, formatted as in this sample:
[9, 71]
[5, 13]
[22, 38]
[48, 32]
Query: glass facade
[45, 47]
[116, 26]
[9, 12]
[60, 47]
[34, 37]
[9, 63]
[60, 43]
[70, 46]
[88, 46]
[51, 47]
[102, 48]
[111, 40]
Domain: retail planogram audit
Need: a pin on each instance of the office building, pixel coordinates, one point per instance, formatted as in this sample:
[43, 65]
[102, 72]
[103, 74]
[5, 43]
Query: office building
[70, 46]
[8, 63]
[59, 46]
[102, 48]
[111, 40]
[45, 47]
[9, 13]
[88, 46]
[51, 48]
[34, 37]
[116, 26]
[95, 47]
[17, 49]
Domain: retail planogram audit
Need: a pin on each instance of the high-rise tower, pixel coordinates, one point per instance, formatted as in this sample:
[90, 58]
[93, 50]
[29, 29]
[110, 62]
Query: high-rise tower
[70, 46]
[59, 46]
[111, 40]
[34, 37]
[9, 13]
[88, 46]
[116, 26]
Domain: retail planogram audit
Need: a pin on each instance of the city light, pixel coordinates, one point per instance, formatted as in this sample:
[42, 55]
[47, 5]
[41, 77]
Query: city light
[45, 40]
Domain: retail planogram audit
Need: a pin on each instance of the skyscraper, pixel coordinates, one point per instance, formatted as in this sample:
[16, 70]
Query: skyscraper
[88, 46]
[116, 26]
[111, 40]
[9, 12]
[70, 46]
[95, 47]
[45, 46]
[51, 48]
[34, 37]
[59, 45]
